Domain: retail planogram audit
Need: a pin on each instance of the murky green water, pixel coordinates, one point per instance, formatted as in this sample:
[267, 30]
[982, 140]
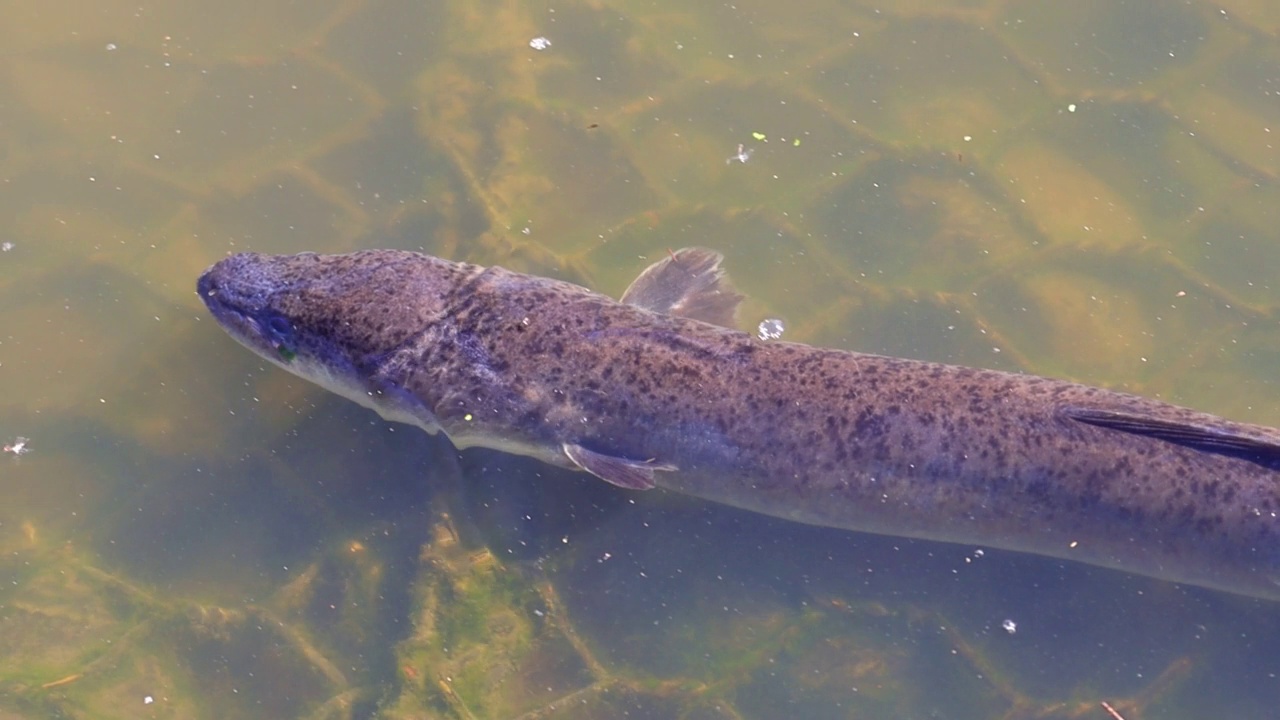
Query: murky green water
[1086, 190]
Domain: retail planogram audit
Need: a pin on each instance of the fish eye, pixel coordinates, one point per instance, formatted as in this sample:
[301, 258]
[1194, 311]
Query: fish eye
[280, 331]
[280, 325]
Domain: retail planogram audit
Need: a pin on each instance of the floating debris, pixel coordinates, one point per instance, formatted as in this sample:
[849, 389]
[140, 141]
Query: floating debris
[6, 246]
[1009, 626]
[1112, 711]
[770, 329]
[540, 43]
[19, 446]
[743, 155]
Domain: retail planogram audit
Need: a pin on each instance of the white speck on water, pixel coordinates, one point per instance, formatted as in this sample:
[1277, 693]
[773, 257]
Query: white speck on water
[111, 46]
[19, 446]
[540, 43]
[770, 329]
[743, 155]
[1009, 626]
[6, 246]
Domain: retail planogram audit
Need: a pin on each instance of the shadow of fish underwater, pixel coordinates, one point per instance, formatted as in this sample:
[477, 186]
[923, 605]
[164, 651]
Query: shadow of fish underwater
[658, 390]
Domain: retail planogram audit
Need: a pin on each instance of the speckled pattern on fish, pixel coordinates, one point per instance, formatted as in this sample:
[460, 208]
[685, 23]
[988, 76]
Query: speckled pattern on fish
[864, 442]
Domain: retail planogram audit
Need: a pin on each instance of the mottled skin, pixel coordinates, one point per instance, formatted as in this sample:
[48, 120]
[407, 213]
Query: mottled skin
[822, 436]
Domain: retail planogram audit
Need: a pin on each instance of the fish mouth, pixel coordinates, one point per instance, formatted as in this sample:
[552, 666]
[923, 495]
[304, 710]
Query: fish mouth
[206, 285]
[207, 289]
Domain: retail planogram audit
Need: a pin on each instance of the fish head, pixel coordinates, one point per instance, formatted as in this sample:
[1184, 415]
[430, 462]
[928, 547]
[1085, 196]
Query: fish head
[334, 319]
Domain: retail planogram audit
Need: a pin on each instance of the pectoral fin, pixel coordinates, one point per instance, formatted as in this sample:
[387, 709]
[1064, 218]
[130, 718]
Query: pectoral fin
[1226, 439]
[688, 283]
[630, 474]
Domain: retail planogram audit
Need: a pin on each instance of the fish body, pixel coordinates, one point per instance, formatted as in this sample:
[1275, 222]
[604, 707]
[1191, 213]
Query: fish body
[656, 390]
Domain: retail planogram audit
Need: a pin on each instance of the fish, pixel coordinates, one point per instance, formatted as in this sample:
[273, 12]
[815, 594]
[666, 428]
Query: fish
[659, 390]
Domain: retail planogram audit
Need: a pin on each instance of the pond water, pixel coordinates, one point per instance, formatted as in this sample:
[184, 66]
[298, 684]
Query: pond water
[1084, 190]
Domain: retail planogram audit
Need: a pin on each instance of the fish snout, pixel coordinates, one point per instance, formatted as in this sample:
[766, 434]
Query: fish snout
[207, 285]
[241, 282]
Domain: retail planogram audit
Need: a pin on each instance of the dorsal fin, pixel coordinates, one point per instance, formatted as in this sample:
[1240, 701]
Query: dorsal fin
[1226, 439]
[688, 283]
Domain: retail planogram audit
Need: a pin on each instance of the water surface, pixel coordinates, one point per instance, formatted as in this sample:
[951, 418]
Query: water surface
[1084, 190]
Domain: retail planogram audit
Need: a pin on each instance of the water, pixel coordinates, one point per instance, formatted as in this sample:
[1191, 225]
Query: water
[1079, 190]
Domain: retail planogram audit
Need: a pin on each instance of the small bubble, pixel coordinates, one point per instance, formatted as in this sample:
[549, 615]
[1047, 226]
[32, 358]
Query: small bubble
[111, 46]
[770, 329]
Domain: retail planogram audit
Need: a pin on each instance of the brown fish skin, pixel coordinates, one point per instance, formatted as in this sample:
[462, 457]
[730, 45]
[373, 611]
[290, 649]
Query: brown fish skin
[822, 436]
